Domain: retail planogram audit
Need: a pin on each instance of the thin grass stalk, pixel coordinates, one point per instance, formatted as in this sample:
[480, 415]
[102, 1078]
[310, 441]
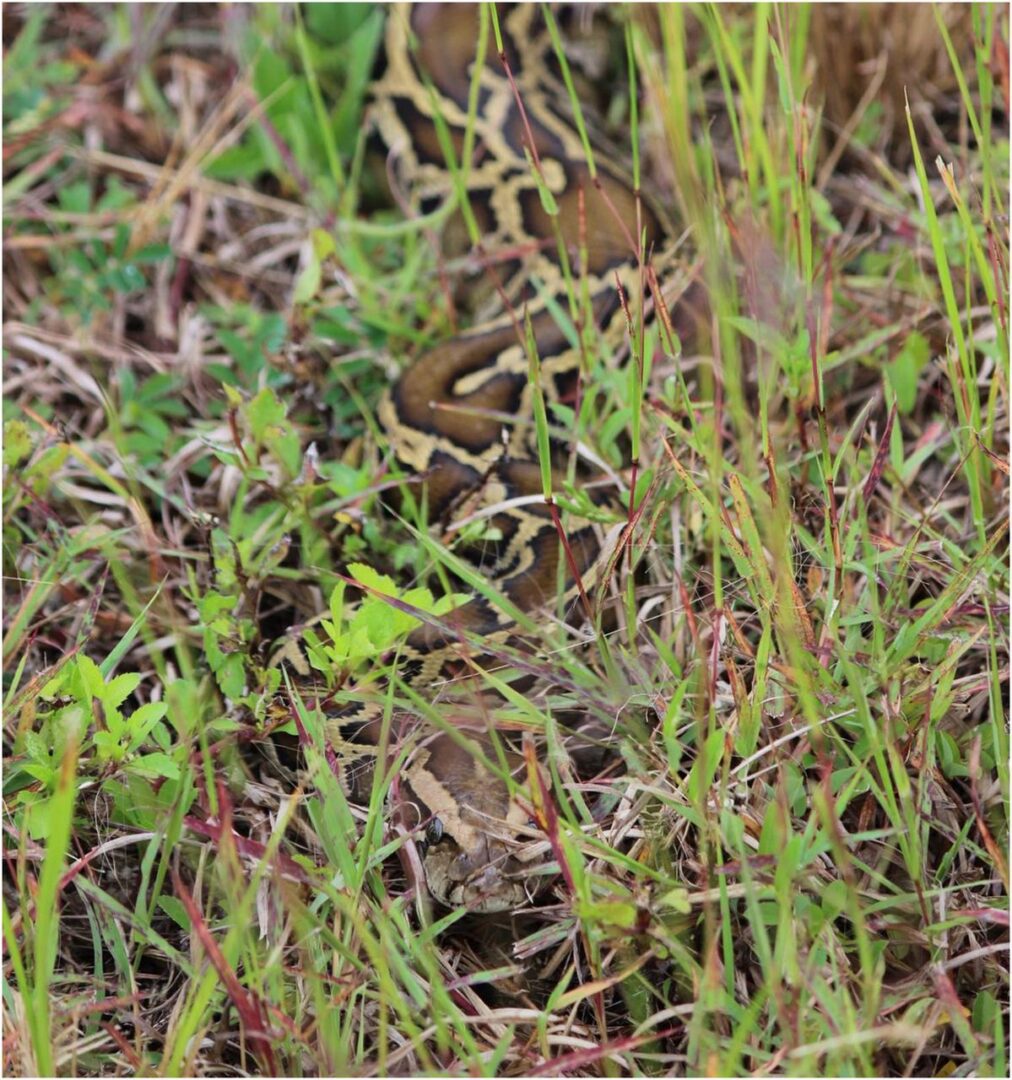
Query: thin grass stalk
[984, 21]
[957, 70]
[567, 78]
[964, 384]
[320, 109]
[762, 167]
[978, 257]
[46, 938]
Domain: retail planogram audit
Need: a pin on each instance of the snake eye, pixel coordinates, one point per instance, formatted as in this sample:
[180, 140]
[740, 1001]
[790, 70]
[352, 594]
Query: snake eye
[434, 831]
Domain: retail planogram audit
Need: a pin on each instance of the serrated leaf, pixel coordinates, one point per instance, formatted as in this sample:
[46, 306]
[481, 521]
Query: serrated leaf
[116, 692]
[420, 597]
[319, 658]
[91, 678]
[360, 646]
[383, 624]
[372, 579]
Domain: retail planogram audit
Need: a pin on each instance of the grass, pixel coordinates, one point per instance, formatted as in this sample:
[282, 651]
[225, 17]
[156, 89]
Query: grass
[790, 856]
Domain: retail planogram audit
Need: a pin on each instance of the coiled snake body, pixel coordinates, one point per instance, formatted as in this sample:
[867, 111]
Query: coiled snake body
[461, 415]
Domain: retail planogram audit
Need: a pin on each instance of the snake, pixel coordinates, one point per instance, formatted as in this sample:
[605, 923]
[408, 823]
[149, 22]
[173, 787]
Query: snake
[560, 230]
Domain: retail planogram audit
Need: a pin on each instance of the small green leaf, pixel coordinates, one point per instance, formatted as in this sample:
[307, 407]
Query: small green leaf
[231, 676]
[120, 689]
[677, 900]
[372, 579]
[834, 898]
[621, 913]
[75, 198]
[264, 412]
[152, 253]
[307, 285]
[420, 598]
[91, 677]
[155, 765]
[36, 746]
[288, 450]
[142, 720]
[17, 442]
[44, 773]
[323, 243]
[212, 604]
[108, 746]
[39, 819]
[905, 369]
[173, 907]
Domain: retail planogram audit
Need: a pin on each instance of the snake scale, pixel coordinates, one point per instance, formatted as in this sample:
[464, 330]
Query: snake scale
[460, 416]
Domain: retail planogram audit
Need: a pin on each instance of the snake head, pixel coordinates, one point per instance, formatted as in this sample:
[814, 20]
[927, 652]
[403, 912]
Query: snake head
[472, 855]
[485, 881]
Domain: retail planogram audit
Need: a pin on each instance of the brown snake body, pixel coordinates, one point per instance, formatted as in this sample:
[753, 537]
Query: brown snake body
[444, 417]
